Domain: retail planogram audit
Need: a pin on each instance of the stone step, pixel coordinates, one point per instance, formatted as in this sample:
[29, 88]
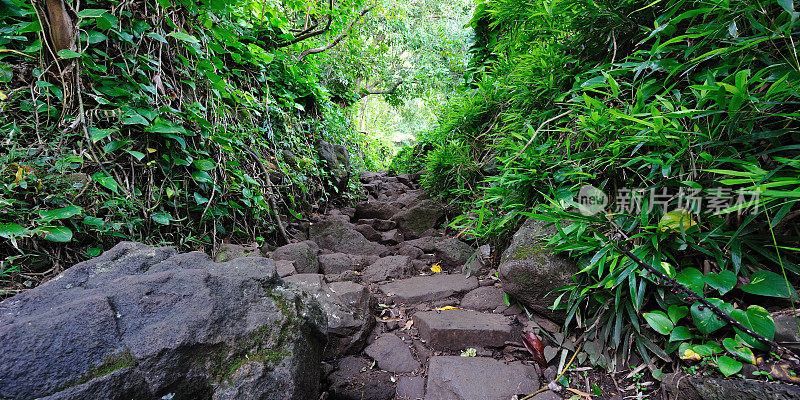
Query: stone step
[460, 329]
[428, 288]
[478, 378]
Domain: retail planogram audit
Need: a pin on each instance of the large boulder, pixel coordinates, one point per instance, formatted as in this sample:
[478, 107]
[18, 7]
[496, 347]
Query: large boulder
[304, 255]
[341, 236]
[148, 323]
[336, 161]
[375, 209]
[450, 251]
[530, 272]
[416, 220]
[347, 306]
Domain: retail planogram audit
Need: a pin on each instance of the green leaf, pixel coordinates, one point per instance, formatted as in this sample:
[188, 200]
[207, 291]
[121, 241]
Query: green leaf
[677, 312]
[95, 37]
[723, 282]
[201, 176]
[758, 319]
[728, 366]
[60, 234]
[705, 319]
[91, 13]
[676, 221]
[680, 333]
[161, 218]
[659, 322]
[134, 118]
[200, 199]
[99, 134]
[60, 213]
[787, 5]
[94, 251]
[67, 54]
[136, 154]
[106, 181]
[691, 278]
[92, 221]
[768, 283]
[8, 230]
[183, 37]
[205, 165]
[739, 350]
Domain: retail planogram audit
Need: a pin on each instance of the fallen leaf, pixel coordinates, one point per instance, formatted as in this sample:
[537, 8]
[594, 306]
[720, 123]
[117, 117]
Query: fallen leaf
[781, 372]
[447, 308]
[408, 325]
[535, 347]
[689, 354]
[436, 268]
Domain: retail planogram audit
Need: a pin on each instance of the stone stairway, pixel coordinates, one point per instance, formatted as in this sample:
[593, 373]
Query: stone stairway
[398, 328]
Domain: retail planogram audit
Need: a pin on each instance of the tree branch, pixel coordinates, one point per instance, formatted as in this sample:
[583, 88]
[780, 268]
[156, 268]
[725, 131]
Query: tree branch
[309, 32]
[372, 90]
[338, 39]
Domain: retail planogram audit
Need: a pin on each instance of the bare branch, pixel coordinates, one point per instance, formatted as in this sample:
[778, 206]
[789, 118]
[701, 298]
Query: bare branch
[372, 90]
[309, 32]
[338, 39]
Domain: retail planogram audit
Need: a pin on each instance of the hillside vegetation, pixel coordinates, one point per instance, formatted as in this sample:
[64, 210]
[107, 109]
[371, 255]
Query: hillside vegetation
[681, 115]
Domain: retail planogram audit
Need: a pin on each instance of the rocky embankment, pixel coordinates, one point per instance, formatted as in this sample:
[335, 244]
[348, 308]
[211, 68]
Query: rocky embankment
[370, 302]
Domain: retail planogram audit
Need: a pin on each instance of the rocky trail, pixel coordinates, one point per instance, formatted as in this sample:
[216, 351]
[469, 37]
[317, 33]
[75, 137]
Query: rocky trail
[404, 320]
[369, 303]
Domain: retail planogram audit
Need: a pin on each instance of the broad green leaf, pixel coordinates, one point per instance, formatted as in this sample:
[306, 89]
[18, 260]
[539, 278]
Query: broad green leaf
[136, 154]
[768, 283]
[728, 366]
[60, 213]
[705, 319]
[659, 322]
[739, 350]
[60, 234]
[183, 37]
[8, 230]
[67, 54]
[161, 218]
[201, 176]
[723, 282]
[677, 312]
[106, 181]
[205, 164]
[99, 134]
[680, 333]
[91, 13]
[691, 278]
[134, 118]
[92, 221]
[200, 199]
[758, 319]
[676, 221]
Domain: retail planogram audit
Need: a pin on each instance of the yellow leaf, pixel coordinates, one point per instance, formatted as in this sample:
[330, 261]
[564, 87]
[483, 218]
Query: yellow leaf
[151, 150]
[676, 221]
[689, 354]
[2, 96]
[445, 308]
[436, 268]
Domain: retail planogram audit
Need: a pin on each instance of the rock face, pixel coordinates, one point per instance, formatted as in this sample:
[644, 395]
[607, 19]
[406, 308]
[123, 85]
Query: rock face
[141, 322]
[340, 236]
[347, 306]
[419, 218]
[336, 161]
[388, 268]
[392, 354]
[304, 255]
[428, 288]
[529, 272]
[451, 251]
[478, 378]
[355, 380]
[460, 329]
[711, 388]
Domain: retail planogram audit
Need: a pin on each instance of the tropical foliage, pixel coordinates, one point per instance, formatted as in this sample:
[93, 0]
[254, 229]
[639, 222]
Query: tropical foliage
[681, 115]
